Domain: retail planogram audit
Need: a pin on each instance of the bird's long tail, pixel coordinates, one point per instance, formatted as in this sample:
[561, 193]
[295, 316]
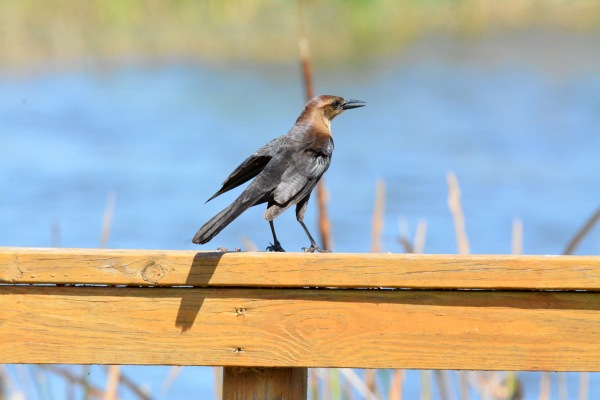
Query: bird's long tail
[217, 223]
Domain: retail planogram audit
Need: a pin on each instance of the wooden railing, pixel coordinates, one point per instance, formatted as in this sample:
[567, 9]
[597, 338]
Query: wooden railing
[283, 312]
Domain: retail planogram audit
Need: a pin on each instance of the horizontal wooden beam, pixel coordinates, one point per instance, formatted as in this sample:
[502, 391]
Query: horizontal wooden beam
[256, 309]
[190, 268]
[488, 330]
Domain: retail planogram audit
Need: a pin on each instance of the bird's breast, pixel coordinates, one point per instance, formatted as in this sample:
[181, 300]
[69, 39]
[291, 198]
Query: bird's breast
[323, 145]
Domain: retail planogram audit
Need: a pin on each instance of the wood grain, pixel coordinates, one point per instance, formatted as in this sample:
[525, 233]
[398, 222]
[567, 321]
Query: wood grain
[189, 268]
[240, 383]
[488, 330]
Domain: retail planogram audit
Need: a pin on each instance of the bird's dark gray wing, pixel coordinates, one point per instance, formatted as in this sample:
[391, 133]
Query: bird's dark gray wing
[249, 168]
[298, 181]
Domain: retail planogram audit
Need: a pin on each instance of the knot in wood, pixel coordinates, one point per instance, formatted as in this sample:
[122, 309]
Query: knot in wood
[153, 272]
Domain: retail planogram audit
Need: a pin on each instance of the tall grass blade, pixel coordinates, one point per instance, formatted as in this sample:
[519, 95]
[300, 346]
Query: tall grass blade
[454, 204]
[112, 382]
[378, 212]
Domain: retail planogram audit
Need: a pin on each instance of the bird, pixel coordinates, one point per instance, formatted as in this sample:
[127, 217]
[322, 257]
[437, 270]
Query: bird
[285, 171]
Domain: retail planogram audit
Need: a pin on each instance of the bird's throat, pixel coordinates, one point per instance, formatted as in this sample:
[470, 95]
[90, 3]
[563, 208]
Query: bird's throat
[327, 122]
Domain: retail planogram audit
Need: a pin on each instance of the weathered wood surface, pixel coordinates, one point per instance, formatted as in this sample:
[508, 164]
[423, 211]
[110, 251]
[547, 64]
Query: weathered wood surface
[174, 268]
[240, 383]
[488, 330]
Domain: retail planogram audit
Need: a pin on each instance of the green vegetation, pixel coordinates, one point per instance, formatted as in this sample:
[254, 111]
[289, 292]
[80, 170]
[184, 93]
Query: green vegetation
[33, 32]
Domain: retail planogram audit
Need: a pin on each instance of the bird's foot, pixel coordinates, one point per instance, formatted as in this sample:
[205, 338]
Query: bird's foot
[276, 247]
[314, 247]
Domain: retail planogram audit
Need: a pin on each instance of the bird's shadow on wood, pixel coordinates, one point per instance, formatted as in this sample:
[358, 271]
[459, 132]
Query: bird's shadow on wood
[201, 271]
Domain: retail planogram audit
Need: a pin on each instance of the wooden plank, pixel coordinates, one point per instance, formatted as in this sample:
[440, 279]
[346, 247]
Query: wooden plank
[492, 330]
[241, 383]
[173, 268]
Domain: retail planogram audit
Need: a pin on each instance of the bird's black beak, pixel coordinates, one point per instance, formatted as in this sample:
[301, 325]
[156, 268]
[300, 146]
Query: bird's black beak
[348, 104]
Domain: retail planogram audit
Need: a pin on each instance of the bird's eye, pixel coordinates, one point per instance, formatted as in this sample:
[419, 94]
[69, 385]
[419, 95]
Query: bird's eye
[337, 104]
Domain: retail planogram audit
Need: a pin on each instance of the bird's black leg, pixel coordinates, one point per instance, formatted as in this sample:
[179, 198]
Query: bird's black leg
[276, 246]
[313, 245]
[300, 210]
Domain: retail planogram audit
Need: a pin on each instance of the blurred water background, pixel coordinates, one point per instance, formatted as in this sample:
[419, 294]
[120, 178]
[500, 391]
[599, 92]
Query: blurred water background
[514, 112]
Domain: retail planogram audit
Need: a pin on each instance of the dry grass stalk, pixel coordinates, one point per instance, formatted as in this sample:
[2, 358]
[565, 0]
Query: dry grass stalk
[457, 213]
[395, 392]
[418, 244]
[371, 382]
[462, 242]
[174, 373]
[109, 210]
[325, 376]
[545, 386]
[73, 379]
[495, 385]
[584, 385]
[357, 383]
[478, 381]
[517, 237]
[584, 377]
[585, 229]
[420, 235]
[323, 215]
[561, 381]
[463, 384]
[321, 191]
[313, 381]
[114, 375]
[55, 235]
[426, 385]
[112, 382]
[218, 375]
[248, 244]
[511, 387]
[134, 388]
[7, 386]
[443, 384]
[378, 211]
[404, 240]
[304, 53]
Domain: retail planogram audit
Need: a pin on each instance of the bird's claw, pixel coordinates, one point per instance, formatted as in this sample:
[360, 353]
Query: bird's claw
[314, 247]
[276, 247]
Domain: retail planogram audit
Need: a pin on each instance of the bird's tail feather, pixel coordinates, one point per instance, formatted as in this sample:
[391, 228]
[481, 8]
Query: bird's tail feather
[217, 223]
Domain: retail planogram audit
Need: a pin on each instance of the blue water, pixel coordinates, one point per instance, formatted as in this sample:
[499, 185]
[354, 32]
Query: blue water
[524, 143]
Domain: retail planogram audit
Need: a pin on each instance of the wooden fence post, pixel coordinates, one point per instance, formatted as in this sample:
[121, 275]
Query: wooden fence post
[247, 383]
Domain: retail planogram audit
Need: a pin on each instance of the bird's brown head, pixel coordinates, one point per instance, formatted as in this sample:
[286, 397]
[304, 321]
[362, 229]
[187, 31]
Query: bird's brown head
[331, 106]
